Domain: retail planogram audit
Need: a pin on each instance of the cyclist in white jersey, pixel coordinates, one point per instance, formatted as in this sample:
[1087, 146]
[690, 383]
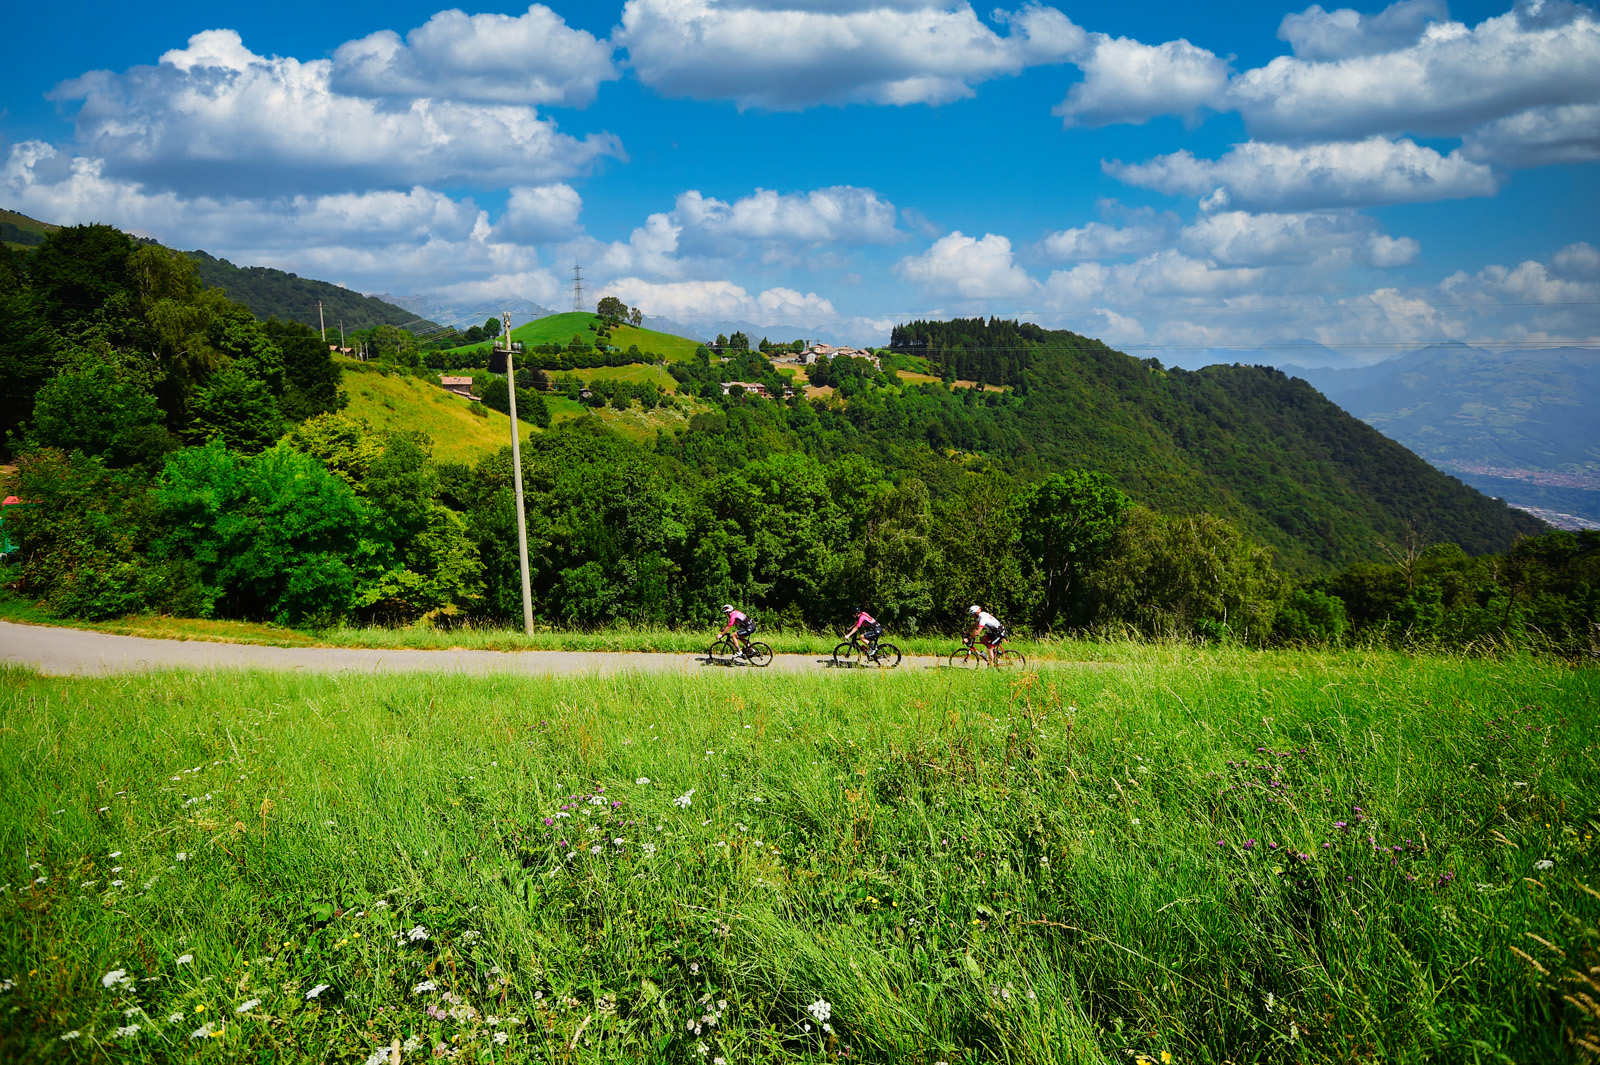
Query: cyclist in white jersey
[986, 629]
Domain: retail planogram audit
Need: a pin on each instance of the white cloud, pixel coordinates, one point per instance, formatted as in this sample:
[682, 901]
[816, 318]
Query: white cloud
[376, 240]
[1098, 240]
[1538, 137]
[791, 56]
[1384, 250]
[957, 265]
[1257, 175]
[1317, 34]
[719, 299]
[215, 116]
[541, 213]
[1543, 53]
[841, 214]
[1577, 260]
[1332, 238]
[534, 58]
[1126, 81]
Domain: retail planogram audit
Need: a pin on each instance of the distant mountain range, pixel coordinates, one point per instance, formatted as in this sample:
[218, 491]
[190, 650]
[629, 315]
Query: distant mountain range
[1521, 425]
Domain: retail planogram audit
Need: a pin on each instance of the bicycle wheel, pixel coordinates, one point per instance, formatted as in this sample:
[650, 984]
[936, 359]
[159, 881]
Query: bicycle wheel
[722, 648]
[846, 656]
[887, 656]
[1006, 659]
[965, 658]
[759, 654]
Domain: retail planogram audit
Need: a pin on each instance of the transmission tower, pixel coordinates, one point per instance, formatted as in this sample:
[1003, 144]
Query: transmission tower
[577, 288]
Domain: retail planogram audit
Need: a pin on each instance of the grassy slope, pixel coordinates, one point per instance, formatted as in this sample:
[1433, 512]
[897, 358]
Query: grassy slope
[561, 328]
[27, 225]
[1080, 868]
[395, 402]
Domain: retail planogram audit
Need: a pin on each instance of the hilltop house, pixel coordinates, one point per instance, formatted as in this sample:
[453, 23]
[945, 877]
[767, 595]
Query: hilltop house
[822, 352]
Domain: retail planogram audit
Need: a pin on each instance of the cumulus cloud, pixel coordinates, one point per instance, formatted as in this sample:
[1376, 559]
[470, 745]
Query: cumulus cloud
[1099, 240]
[718, 299]
[701, 231]
[373, 240]
[1540, 136]
[960, 266]
[540, 213]
[1263, 176]
[534, 58]
[839, 214]
[216, 115]
[1127, 81]
[1316, 34]
[789, 56]
[1543, 53]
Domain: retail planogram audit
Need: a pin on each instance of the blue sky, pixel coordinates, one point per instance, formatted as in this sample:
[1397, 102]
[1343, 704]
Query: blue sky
[1162, 176]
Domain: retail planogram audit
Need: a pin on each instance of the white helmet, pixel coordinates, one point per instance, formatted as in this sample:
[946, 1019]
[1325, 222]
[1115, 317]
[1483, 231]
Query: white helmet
[974, 609]
[727, 608]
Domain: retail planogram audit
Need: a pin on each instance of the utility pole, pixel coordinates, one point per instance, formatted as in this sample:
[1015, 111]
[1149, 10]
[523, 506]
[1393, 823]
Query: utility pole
[322, 323]
[341, 336]
[577, 288]
[516, 466]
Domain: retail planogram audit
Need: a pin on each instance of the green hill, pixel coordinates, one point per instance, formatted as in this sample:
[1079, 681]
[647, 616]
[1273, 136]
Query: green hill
[273, 293]
[19, 232]
[1244, 442]
[561, 328]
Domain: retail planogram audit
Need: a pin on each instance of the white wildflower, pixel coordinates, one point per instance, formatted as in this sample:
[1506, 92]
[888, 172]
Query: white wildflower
[596, 849]
[246, 1007]
[381, 904]
[412, 1045]
[114, 854]
[501, 1038]
[316, 992]
[426, 985]
[821, 1009]
[204, 1031]
[127, 1031]
[175, 1018]
[378, 1057]
[418, 932]
[115, 976]
[1543, 864]
[185, 959]
[682, 801]
[183, 856]
[642, 780]
[1270, 1001]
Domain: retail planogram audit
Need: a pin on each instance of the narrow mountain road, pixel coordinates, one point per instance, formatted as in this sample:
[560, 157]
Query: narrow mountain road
[76, 652]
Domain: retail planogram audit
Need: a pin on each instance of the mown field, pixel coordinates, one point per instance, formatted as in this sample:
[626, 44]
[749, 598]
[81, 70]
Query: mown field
[1201, 856]
[561, 328]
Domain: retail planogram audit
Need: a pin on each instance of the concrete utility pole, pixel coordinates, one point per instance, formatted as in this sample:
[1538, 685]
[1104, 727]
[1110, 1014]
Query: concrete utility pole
[322, 323]
[516, 465]
[341, 336]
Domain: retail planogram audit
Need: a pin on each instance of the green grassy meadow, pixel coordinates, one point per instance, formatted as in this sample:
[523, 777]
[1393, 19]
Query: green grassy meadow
[561, 328]
[1201, 856]
[396, 401]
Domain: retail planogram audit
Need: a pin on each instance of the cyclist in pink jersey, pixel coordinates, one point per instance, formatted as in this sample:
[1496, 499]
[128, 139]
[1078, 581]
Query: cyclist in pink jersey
[739, 624]
[869, 628]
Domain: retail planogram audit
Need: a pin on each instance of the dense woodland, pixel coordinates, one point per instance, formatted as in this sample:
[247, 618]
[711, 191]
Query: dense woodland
[182, 456]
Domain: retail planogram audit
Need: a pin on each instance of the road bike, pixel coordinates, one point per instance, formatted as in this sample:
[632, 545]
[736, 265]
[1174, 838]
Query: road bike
[969, 657]
[721, 653]
[853, 653]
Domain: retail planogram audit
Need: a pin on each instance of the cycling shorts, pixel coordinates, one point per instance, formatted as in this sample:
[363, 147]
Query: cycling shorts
[992, 634]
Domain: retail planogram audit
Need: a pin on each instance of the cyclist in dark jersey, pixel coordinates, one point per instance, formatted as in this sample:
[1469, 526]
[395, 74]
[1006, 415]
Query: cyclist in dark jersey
[869, 628]
[739, 625]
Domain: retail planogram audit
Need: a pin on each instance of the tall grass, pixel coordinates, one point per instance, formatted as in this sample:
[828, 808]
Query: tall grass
[1220, 856]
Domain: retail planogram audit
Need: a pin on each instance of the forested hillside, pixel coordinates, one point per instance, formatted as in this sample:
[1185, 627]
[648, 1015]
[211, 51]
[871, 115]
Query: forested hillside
[1246, 442]
[179, 456]
[273, 293]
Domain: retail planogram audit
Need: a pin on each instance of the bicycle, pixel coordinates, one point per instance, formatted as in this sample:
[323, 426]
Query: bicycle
[722, 651]
[969, 657]
[853, 654]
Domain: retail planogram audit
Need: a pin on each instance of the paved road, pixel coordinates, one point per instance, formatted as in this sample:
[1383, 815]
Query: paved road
[75, 652]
